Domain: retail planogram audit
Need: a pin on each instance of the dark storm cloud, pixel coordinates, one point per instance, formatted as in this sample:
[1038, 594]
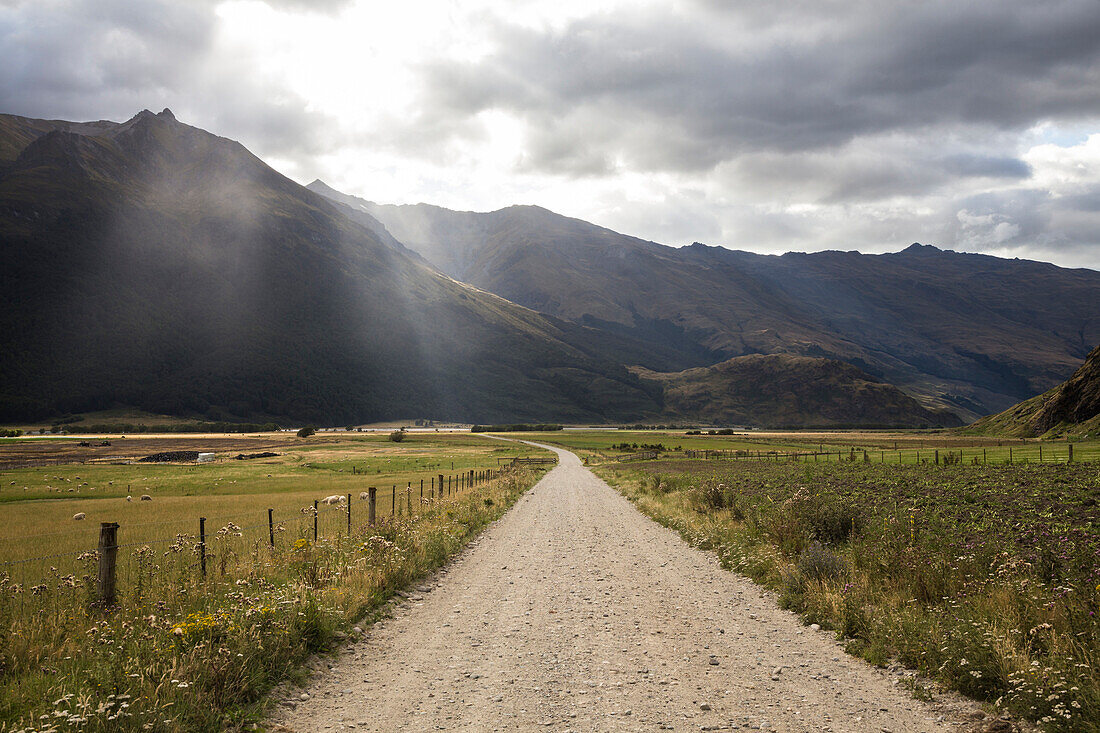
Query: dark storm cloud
[109, 59]
[82, 59]
[714, 85]
[986, 166]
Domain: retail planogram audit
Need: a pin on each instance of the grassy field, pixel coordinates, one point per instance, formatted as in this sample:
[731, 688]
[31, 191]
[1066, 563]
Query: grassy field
[984, 577]
[182, 651]
[41, 501]
[911, 447]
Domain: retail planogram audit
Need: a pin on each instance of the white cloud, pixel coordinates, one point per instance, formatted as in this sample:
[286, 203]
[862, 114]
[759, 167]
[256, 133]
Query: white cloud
[793, 126]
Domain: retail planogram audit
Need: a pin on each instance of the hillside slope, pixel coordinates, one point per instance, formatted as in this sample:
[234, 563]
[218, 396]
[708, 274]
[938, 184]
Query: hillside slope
[780, 390]
[153, 264]
[1071, 408]
[971, 333]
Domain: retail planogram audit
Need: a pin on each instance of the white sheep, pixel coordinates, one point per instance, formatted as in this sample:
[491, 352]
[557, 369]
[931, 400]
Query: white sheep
[78, 516]
[129, 498]
[146, 497]
[364, 495]
[334, 499]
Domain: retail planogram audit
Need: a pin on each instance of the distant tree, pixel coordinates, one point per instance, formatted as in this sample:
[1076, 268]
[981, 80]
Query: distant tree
[397, 435]
[307, 431]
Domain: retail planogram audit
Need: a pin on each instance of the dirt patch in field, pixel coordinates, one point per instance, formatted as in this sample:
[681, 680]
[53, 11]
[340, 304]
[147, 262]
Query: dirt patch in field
[45, 452]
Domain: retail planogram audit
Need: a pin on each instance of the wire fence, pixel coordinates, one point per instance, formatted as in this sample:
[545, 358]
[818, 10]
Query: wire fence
[52, 573]
[1025, 453]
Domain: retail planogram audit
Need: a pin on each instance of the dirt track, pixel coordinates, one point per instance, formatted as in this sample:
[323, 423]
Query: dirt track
[575, 612]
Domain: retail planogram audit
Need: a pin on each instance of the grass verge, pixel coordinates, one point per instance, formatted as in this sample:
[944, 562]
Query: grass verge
[183, 653]
[984, 578]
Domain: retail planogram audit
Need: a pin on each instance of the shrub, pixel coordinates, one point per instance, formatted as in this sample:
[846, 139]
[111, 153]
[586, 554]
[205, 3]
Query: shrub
[710, 497]
[820, 563]
[397, 435]
[307, 431]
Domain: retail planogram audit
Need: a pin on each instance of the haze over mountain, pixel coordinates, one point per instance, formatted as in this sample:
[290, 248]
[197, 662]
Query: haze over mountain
[153, 264]
[971, 333]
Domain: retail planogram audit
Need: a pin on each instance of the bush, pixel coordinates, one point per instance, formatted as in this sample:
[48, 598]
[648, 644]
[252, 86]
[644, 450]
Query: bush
[307, 431]
[397, 435]
[818, 562]
[710, 497]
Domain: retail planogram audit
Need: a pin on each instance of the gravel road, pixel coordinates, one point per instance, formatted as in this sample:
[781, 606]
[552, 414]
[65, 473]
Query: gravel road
[576, 612]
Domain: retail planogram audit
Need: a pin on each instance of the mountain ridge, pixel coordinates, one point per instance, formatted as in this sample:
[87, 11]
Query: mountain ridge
[790, 391]
[155, 264]
[951, 329]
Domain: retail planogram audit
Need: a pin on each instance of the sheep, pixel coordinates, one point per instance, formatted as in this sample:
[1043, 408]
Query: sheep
[129, 498]
[78, 516]
[364, 495]
[146, 497]
[334, 499]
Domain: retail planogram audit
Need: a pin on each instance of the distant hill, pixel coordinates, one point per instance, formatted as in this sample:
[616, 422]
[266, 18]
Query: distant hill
[1071, 408]
[781, 390]
[966, 332]
[152, 264]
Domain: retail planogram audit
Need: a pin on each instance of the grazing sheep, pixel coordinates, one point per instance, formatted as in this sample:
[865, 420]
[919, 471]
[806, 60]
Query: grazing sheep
[362, 495]
[78, 516]
[334, 499]
[146, 497]
[129, 498]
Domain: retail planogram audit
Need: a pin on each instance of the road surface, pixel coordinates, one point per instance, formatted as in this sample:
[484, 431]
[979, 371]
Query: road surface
[576, 612]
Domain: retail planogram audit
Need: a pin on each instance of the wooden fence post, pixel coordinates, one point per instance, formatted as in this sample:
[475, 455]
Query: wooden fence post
[271, 527]
[314, 520]
[1070, 459]
[937, 457]
[393, 500]
[409, 498]
[372, 495]
[202, 544]
[108, 553]
[349, 515]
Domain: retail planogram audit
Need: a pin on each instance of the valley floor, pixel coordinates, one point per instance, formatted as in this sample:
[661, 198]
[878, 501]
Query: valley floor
[575, 612]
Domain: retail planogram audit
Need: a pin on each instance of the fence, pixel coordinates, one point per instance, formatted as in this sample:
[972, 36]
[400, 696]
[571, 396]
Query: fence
[646, 455]
[526, 461]
[981, 455]
[123, 554]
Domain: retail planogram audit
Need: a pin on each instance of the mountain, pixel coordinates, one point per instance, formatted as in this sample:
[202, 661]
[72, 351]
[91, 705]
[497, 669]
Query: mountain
[781, 390]
[152, 264]
[1071, 408]
[966, 332]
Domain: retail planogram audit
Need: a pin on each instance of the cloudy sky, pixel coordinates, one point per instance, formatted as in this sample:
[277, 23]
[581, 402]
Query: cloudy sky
[800, 125]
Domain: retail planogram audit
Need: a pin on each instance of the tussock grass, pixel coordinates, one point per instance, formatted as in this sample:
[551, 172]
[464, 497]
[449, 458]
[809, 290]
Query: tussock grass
[984, 578]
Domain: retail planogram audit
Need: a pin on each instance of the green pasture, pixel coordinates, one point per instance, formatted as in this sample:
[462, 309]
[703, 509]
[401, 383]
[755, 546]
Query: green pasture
[601, 441]
[39, 503]
[915, 447]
